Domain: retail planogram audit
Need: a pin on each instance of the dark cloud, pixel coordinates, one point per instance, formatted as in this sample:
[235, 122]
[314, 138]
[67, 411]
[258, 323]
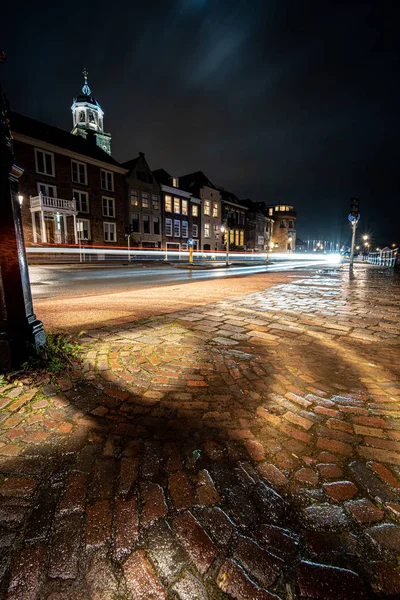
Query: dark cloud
[281, 101]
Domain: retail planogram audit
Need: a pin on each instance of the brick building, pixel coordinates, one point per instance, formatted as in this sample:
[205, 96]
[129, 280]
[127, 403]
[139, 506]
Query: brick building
[258, 226]
[233, 217]
[73, 190]
[284, 228]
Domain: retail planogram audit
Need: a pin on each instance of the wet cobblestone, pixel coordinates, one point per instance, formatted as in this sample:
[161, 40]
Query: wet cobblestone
[245, 449]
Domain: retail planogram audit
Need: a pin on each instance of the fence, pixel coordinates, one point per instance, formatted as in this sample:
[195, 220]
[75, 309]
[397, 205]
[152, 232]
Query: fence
[385, 258]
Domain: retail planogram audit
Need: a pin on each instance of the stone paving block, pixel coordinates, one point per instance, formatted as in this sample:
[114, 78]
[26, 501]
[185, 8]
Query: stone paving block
[41, 518]
[232, 580]
[328, 544]
[100, 578]
[262, 566]
[75, 495]
[129, 471]
[165, 551]
[190, 588]
[369, 482]
[340, 490]
[364, 511]
[181, 490]
[329, 583]
[386, 536]
[326, 516]
[126, 523]
[154, 505]
[19, 487]
[385, 577]
[195, 540]
[329, 470]
[141, 578]
[205, 489]
[104, 473]
[27, 573]
[65, 547]
[279, 541]
[98, 524]
[217, 524]
[273, 475]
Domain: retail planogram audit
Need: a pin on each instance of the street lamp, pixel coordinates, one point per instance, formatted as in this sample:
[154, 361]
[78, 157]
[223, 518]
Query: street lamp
[20, 199]
[290, 242]
[223, 229]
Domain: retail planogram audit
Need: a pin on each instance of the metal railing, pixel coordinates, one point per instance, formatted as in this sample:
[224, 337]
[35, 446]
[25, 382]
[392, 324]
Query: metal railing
[385, 258]
[49, 203]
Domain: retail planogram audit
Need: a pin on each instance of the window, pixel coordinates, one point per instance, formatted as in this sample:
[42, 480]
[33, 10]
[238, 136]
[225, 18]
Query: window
[108, 207]
[44, 162]
[282, 224]
[175, 182]
[47, 190]
[168, 204]
[215, 209]
[145, 200]
[134, 198]
[156, 225]
[237, 237]
[109, 232]
[231, 236]
[195, 230]
[184, 207]
[81, 200]
[168, 227]
[146, 224]
[135, 223]
[185, 229]
[206, 207]
[177, 205]
[79, 174]
[206, 230]
[195, 210]
[216, 231]
[276, 208]
[270, 212]
[290, 224]
[184, 246]
[83, 229]
[107, 180]
[156, 202]
[177, 228]
[241, 243]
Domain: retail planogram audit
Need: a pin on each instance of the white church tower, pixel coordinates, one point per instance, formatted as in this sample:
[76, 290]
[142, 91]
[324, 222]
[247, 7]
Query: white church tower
[88, 118]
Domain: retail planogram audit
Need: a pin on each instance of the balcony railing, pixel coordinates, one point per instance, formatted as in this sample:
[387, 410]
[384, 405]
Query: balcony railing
[48, 203]
[385, 258]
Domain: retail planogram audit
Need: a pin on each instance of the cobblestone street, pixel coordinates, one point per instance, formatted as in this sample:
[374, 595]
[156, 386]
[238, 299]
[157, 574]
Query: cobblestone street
[248, 449]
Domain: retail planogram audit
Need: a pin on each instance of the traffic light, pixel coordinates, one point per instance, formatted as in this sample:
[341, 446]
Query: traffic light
[355, 207]
[129, 229]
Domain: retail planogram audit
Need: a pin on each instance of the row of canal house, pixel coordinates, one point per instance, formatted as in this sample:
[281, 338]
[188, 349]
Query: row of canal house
[75, 192]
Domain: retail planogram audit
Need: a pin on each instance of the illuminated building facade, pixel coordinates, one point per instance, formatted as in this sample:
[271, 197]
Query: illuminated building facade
[284, 228]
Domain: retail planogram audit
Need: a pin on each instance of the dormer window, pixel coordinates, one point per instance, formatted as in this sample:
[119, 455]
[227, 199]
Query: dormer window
[175, 182]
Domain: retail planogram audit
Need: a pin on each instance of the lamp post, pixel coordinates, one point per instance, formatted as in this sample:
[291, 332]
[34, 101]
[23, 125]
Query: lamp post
[19, 329]
[223, 229]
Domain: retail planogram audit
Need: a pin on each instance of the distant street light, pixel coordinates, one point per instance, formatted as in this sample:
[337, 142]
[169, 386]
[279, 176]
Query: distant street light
[223, 229]
[20, 199]
[365, 237]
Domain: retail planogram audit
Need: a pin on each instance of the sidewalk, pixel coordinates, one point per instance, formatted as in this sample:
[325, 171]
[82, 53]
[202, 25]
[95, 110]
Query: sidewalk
[246, 449]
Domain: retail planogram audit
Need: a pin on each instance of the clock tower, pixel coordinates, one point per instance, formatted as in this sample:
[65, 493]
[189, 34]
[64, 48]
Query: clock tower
[88, 116]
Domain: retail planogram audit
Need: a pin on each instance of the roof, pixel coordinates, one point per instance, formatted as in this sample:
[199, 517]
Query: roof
[162, 176]
[194, 181]
[58, 137]
[130, 164]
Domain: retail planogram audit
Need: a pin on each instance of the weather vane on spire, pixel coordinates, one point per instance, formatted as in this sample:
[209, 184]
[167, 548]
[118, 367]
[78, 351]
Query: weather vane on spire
[86, 89]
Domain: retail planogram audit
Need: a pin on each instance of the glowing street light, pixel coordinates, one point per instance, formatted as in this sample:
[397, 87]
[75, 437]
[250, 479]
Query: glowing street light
[223, 229]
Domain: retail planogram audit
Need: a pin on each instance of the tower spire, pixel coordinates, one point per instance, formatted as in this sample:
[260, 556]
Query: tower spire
[86, 89]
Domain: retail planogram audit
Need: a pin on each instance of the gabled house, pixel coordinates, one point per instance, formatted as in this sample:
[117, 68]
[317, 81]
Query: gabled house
[234, 218]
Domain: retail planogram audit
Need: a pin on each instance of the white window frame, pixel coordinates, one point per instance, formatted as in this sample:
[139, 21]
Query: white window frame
[51, 154]
[207, 208]
[106, 213]
[195, 230]
[110, 226]
[81, 237]
[185, 229]
[195, 210]
[184, 207]
[177, 204]
[168, 227]
[168, 200]
[207, 232]
[177, 228]
[79, 164]
[79, 192]
[106, 178]
[47, 185]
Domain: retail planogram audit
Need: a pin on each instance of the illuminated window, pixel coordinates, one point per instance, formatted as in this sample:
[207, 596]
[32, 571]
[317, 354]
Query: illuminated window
[177, 205]
[168, 227]
[270, 212]
[231, 236]
[134, 198]
[241, 242]
[146, 224]
[215, 209]
[195, 210]
[108, 207]
[78, 172]
[175, 182]
[109, 232]
[237, 237]
[156, 202]
[206, 207]
[195, 230]
[184, 207]
[168, 204]
[135, 223]
[83, 229]
[81, 201]
[276, 208]
[185, 229]
[145, 200]
[177, 228]
[156, 225]
[206, 230]
[107, 180]
[44, 163]
[216, 231]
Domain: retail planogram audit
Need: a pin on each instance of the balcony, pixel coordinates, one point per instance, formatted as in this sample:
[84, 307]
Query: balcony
[56, 205]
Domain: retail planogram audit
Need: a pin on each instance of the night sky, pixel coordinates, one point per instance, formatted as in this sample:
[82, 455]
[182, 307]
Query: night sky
[278, 101]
